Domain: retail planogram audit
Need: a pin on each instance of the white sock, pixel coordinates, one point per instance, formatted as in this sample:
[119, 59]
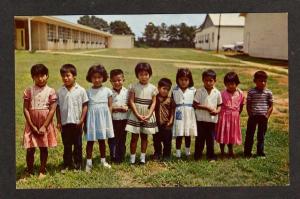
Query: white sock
[143, 157]
[89, 162]
[132, 158]
[103, 160]
[187, 151]
[178, 153]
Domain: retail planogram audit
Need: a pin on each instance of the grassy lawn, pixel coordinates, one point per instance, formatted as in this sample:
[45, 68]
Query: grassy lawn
[163, 53]
[274, 170]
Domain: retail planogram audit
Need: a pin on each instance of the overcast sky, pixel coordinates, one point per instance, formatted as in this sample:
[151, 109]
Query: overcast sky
[137, 23]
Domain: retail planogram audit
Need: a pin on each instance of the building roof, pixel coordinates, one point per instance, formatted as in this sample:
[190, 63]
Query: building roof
[227, 19]
[57, 21]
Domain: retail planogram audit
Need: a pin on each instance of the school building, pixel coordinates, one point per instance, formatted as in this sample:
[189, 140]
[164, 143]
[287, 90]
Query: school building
[51, 33]
[229, 27]
[266, 35]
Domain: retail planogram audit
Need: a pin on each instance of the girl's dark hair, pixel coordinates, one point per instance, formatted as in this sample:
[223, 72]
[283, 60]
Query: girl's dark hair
[231, 77]
[66, 68]
[116, 72]
[39, 69]
[164, 82]
[209, 73]
[260, 75]
[143, 66]
[96, 69]
[185, 72]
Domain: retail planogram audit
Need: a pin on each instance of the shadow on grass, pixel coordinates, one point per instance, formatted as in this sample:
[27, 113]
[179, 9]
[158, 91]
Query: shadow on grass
[273, 62]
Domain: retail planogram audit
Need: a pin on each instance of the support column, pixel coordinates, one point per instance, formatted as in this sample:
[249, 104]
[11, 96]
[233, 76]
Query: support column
[29, 34]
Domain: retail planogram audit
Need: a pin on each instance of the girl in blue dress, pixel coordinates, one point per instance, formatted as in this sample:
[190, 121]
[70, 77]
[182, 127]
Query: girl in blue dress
[99, 125]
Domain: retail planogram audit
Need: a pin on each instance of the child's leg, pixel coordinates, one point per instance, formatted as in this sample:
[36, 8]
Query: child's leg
[210, 152]
[230, 150]
[30, 159]
[261, 131]
[133, 144]
[102, 148]
[43, 159]
[77, 153]
[222, 146]
[187, 140]
[66, 135]
[112, 148]
[251, 126]
[122, 140]
[102, 153]
[178, 146]
[157, 143]
[167, 141]
[200, 140]
[144, 144]
[89, 149]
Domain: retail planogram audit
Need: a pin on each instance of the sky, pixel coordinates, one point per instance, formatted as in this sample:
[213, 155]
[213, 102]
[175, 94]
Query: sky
[137, 23]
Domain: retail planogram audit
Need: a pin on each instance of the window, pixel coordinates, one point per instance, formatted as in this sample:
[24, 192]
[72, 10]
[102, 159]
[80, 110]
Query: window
[212, 37]
[51, 32]
[82, 37]
[64, 33]
[75, 36]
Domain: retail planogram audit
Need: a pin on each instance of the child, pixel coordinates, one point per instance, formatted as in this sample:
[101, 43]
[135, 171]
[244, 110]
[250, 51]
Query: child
[142, 100]
[120, 113]
[228, 128]
[164, 112]
[70, 113]
[185, 121]
[39, 108]
[98, 124]
[259, 108]
[207, 103]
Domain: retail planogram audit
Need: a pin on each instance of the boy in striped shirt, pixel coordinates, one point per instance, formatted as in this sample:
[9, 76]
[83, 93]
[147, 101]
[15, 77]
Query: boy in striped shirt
[259, 108]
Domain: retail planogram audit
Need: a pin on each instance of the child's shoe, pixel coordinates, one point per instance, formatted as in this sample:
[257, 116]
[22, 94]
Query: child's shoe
[143, 158]
[178, 153]
[187, 152]
[106, 165]
[132, 158]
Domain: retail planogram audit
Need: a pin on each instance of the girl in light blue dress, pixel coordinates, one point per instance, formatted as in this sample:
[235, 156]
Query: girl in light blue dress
[99, 125]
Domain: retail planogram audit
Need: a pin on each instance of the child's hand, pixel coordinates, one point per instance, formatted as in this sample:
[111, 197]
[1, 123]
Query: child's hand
[213, 112]
[42, 130]
[169, 124]
[58, 126]
[124, 108]
[80, 125]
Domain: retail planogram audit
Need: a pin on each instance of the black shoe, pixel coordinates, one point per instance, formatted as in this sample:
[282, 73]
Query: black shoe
[262, 154]
[155, 157]
[78, 166]
[247, 155]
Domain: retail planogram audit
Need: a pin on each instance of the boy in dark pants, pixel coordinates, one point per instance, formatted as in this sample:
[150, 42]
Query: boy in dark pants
[120, 114]
[259, 108]
[70, 113]
[207, 103]
[164, 112]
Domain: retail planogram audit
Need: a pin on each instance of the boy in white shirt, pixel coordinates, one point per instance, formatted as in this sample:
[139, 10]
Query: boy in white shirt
[70, 113]
[207, 103]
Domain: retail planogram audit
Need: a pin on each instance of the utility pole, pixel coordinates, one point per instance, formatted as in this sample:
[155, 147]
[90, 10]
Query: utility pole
[218, 38]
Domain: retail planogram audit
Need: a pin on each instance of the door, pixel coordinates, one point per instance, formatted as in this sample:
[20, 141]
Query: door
[20, 38]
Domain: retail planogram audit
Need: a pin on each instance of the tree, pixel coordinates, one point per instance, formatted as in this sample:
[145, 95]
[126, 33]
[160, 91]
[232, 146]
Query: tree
[94, 22]
[150, 33]
[120, 28]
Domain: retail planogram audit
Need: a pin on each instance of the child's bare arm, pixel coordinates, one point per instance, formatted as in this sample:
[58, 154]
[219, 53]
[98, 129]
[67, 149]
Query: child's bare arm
[58, 118]
[110, 104]
[132, 105]
[152, 107]
[49, 118]
[83, 113]
[28, 118]
[203, 107]
[241, 108]
[270, 109]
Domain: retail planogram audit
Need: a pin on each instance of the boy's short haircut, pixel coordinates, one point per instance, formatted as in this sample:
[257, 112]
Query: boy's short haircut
[39, 69]
[260, 75]
[116, 72]
[68, 68]
[165, 82]
[209, 73]
[143, 66]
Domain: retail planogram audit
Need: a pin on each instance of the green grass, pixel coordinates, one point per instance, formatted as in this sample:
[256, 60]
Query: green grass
[164, 53]
[274, 170]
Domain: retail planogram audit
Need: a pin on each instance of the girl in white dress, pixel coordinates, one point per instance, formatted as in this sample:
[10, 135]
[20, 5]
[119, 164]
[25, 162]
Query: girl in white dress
[141, 121]
[99, 125]
[185, 121]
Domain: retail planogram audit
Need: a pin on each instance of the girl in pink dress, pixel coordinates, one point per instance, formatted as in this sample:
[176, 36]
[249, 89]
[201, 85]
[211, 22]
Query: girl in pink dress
[39, 108]
[228, 127]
